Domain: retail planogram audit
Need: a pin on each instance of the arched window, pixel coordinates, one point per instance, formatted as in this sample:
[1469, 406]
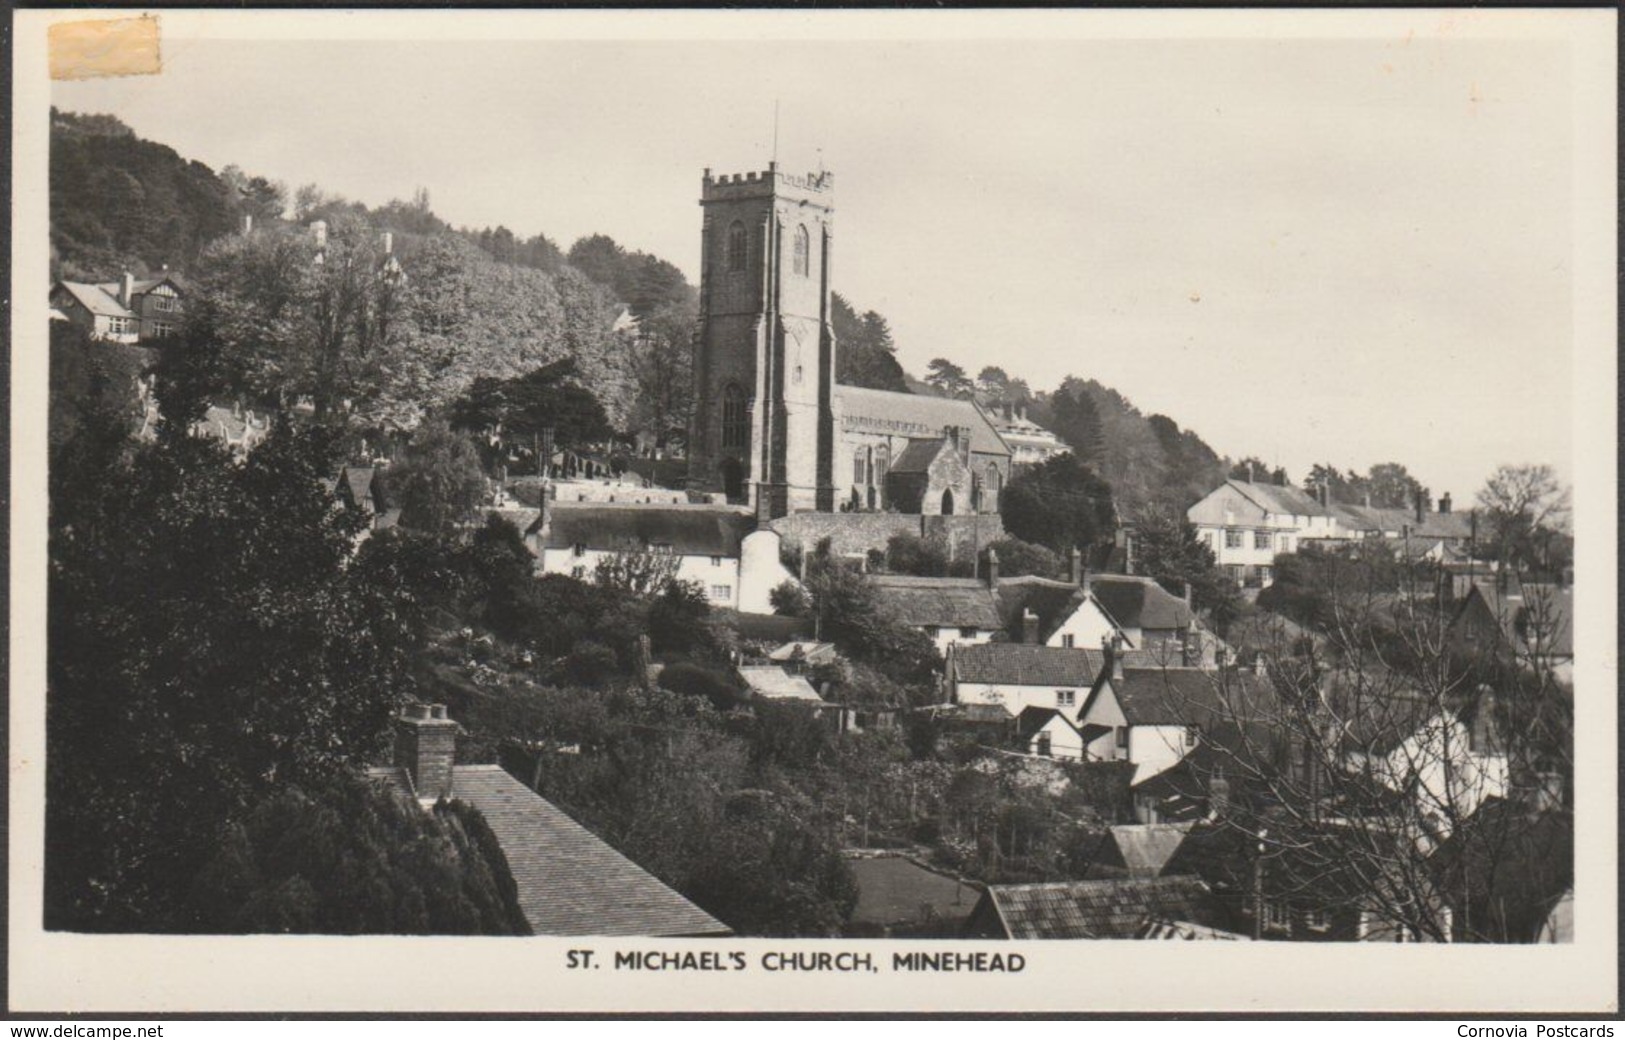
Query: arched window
[948, 502]
[735, 425]
[990, 486]
[882, 464]
[736, 246]
[859, 465]
[799, 262]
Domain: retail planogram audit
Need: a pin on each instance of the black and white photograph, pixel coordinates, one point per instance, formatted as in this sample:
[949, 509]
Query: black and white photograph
[814, 510]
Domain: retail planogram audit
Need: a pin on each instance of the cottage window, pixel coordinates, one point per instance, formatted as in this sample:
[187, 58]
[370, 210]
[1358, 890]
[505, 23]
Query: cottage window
[1122, 738]
[118, 325]
[967, 631]
[163, 303]
[581, 549]
[722, 592]
[1069, 641]
[1043, 746]
[578, 573]
[1317, 920]
[1065, 698]
[1261, 539]
[716, 561]
[1232, 538]
[736, 246]
[799, 262]
[735, 427]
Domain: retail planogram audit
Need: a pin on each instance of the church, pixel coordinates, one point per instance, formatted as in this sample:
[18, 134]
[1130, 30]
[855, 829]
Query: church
[772, 428]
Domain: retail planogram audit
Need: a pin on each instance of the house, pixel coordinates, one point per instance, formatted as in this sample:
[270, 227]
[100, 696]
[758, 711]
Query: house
[1312, 891]
[1529, 621]
[1030, 443]
[1153, 717]
[130, 310]
[720, 548]
[950, 611]
[362, 488]
[569, 882]
[1138, 611]
[240, 429]
[1016, 676]
[1102, 909]
[901, 898]
[1048, 733]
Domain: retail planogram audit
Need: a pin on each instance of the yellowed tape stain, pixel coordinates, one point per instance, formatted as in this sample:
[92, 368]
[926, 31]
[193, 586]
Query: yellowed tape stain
[104, 47]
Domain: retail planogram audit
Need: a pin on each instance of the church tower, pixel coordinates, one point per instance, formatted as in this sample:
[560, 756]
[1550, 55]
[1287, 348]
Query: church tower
[764, 361]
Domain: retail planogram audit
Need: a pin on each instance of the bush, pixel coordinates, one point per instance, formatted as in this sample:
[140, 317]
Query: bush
[695, 680]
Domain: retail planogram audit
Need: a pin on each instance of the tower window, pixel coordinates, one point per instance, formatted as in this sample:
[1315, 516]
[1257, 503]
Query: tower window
[736, 246]
[735, 427]
[799, 262]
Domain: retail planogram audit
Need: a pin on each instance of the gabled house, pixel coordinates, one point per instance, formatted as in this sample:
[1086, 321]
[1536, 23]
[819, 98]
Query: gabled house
[1154, 717]
[569, 882]
[1104, 909]
[1531, 622]
[130, 310]
[1048, 733]
[362, 488]
[1246, 524]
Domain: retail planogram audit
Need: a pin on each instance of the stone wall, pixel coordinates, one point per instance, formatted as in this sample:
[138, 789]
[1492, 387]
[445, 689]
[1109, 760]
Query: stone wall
[856, 533]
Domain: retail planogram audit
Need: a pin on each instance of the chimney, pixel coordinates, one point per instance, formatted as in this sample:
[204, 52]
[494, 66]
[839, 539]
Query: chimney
[126, 289]
[1189, 607]
[1323, 493]
[426, 747]
[1218, 795]
[1421, 494]
[1114, 656]
[1190, 649]
[1365, 499]
[1080, 575]
[318, 233]
[1249, 472]
[1029, 628]
[248, 223]
[388, 242]
[1444, 503]
[992, 567]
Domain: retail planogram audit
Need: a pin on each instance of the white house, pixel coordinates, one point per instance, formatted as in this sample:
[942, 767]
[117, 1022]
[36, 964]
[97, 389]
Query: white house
[1018, 676]
[718, 547]
[1154, 717]
[1048, 733]
[1247, 524]
[951, 611]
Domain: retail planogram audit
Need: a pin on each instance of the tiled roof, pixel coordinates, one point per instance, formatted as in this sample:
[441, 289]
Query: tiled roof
[1020, 664]
[359, 481]
[570, 882]
[1452, 526]
[774, 683]
[940, 602]
[918, 415]
[1189, 696]
[97, 300]
[1137, 602]
[1282, 499]
[689, 530]
[1106, 909]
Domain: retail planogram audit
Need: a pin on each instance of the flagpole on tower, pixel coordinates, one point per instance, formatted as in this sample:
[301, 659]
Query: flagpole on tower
[775, 132]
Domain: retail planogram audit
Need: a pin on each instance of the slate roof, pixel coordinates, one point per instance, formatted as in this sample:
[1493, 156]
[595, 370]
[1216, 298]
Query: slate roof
[939, 602]
[1105, 909]
[918, 456]
[917, 415]
[1449, 526]
[774, 683]
[1283, 499]
[1143, 849]
[689, 530]
[1137, 602]
[97, 300]
[1544, 613]
[1019, 664]
[1188, 696]
[570, 882]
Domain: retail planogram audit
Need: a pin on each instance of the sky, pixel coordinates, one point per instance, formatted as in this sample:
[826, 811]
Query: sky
[1306, 249]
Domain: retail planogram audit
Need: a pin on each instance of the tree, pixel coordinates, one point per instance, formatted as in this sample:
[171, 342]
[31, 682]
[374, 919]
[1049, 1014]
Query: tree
[1059, 503]
[1520, 504]
[210, 639]
[663, 366]
[638, 570]
[438, 483]
[1169, 550]
[1076, 421]
[1017, 558]
[1391, 486]
[864, 354]
[949, 379]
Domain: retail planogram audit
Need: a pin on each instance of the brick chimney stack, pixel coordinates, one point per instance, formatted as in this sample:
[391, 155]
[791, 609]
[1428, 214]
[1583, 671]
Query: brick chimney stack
[1080, 576]
[1444, 503]
[426, 747]
[1029, 628]
[126, 289]
[1112, 647]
